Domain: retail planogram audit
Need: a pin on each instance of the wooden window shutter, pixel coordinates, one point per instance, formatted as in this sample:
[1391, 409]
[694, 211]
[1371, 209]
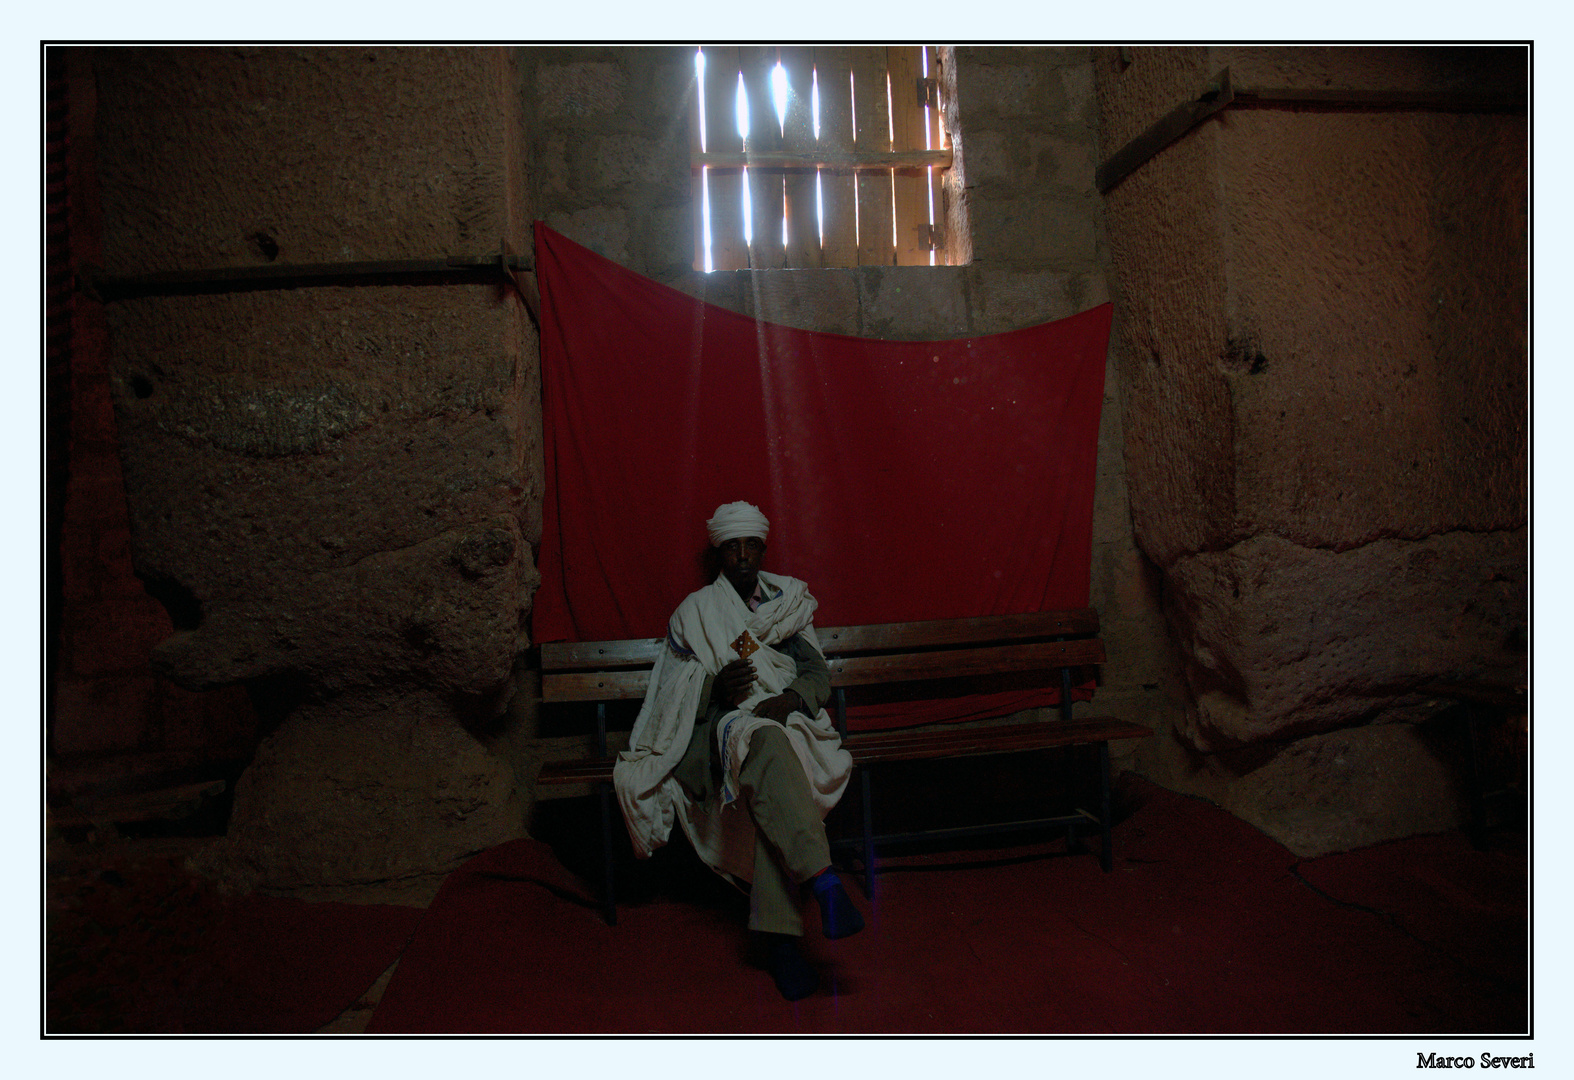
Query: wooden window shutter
[864, 191]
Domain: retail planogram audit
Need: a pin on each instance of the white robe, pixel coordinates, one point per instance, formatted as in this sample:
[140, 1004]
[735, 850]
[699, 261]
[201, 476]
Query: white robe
[699, 643]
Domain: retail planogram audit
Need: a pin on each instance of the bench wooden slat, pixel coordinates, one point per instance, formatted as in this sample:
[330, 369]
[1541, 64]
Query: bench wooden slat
[594, 655]
[915, 745]
[972, 742]
[585, 771]
[603, 685]
[854, 670]
[594, 685]
[932, 633]
[909, 667]
[559, 656]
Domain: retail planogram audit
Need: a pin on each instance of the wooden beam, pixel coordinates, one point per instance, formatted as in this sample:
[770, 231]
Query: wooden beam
[914, 161]
[1177, 122]
[1379, 100]
[446, 270]
[1221, 93]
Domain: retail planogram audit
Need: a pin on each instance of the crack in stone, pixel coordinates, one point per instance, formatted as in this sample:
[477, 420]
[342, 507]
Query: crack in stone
[1397, 924]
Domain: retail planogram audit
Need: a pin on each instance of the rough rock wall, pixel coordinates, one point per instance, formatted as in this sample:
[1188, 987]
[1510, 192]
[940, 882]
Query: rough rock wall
[334, 490]
[1321, 348]
[611, 162]
[111, 715]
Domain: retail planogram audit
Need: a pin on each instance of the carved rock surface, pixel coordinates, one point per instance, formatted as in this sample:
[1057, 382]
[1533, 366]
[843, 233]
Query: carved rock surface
[362, 791]
[350, 510]
[1284, 640]
[332, 489]
[1320, 345]
[1347, 789]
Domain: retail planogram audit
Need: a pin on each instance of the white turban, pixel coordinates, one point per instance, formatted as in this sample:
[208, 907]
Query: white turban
[734, 520]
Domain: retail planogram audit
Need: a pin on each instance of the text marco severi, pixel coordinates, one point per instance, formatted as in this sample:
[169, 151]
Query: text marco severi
[1488, 1061]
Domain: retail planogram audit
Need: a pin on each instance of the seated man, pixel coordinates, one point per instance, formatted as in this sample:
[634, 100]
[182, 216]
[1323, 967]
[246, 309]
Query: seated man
[733, 742]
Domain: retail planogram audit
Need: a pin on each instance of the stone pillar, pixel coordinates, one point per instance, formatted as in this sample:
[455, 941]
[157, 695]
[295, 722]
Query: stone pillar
[1320, 337]
[333, 490]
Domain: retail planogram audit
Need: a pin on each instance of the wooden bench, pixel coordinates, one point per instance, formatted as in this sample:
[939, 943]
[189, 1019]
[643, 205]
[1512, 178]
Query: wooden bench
[933, 654]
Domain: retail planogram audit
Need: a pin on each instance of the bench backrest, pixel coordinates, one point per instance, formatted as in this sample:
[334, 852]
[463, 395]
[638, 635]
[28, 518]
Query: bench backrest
[857, 655]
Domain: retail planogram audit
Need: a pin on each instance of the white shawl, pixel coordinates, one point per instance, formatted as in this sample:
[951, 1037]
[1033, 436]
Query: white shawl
[699, 643]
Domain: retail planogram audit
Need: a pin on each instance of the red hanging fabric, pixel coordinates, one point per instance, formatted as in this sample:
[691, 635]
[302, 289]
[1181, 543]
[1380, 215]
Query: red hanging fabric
[903, 480]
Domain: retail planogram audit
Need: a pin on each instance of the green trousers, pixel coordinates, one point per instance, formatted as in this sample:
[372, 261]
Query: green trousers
[790, 845]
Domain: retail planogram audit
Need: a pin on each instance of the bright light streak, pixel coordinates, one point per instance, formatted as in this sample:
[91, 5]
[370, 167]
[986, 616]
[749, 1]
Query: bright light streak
[929, 173]
[741, 108]
[699, 75]
[819, 206]
[814, 100]
[779, 93]
[852, 116]
[748, 217]
[705, 213]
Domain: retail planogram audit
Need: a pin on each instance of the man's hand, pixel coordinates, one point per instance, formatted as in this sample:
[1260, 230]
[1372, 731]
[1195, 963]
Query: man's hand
[734, 683]
[778, 708]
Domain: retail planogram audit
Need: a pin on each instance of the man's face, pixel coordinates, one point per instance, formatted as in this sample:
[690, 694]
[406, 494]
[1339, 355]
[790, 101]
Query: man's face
[741, 558]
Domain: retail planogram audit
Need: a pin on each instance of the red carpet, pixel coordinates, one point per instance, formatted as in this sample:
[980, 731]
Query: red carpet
[1204, 927]
[151, 949]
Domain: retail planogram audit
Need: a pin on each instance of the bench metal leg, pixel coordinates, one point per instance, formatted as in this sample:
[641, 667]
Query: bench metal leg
[868, 814]
[1106, 853]
[609, 908]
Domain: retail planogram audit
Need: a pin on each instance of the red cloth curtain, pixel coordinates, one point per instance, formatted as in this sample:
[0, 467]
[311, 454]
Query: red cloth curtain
[904, 480]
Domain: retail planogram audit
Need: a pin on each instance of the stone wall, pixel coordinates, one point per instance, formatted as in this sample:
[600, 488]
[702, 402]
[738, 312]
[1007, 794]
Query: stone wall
[610, 161]
[113, 719]
[1315, 396]
[1321, 350]
[333, 489]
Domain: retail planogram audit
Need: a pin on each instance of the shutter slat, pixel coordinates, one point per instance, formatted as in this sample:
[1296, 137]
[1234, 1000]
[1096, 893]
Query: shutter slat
[912, 208]
[871, 118]
[839, 191]
[697, 187]
[728, 251]
[765, 187]
[803, 224]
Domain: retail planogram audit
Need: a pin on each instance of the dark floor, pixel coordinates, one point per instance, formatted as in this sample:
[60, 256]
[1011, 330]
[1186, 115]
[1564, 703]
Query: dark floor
[1205, 926]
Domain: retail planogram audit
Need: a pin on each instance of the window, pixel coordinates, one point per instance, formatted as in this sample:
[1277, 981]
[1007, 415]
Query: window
[811, 156]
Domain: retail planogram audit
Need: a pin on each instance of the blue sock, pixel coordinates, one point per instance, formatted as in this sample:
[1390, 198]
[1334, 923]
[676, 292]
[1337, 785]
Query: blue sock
[838, 917]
